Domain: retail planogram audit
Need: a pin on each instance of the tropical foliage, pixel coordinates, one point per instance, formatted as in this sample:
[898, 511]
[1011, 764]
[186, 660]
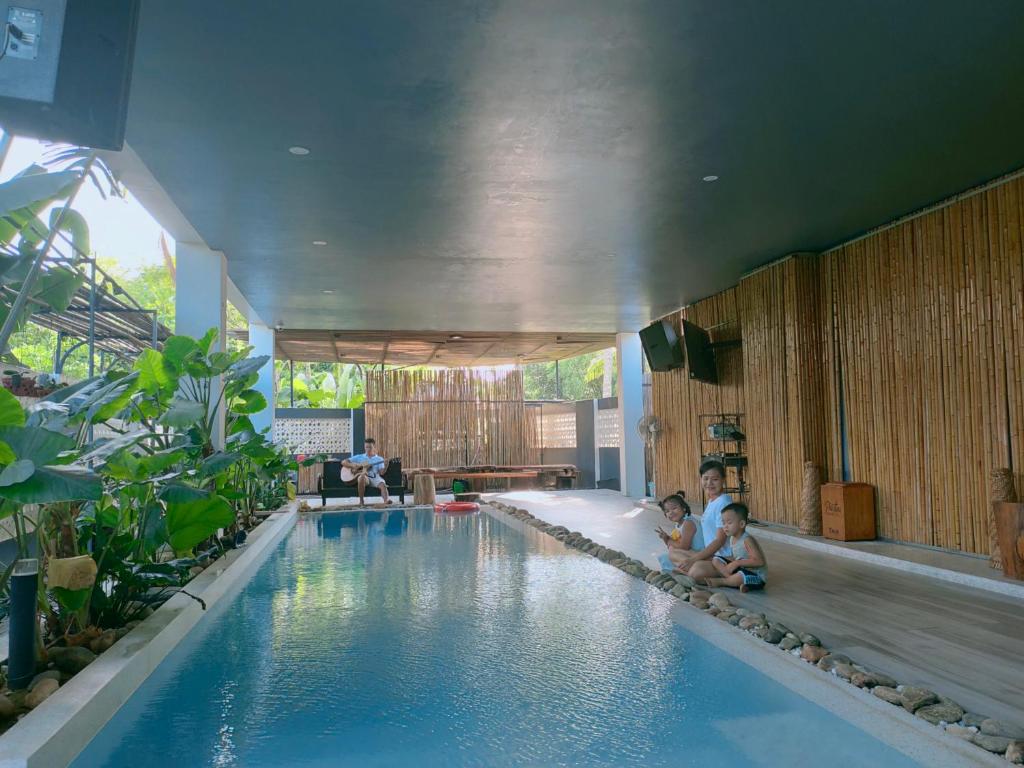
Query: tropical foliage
[154, 498]
[579, 378]
[321, 385]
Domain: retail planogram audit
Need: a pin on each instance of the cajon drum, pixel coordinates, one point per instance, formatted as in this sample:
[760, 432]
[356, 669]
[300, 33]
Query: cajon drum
[848, 511]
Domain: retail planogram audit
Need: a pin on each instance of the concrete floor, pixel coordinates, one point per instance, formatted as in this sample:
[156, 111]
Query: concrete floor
[962, 642]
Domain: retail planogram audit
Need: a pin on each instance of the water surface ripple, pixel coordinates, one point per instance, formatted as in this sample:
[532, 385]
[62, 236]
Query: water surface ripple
[457, 641]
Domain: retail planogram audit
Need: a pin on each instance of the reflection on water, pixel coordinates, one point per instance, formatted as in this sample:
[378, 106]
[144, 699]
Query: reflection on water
[386, 637]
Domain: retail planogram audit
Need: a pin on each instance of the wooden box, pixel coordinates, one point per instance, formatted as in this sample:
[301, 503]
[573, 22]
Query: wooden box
[848, 511]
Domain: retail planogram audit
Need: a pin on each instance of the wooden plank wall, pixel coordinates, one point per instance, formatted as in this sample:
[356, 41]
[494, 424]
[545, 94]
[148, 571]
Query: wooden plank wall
[450, 417]
[914, 334]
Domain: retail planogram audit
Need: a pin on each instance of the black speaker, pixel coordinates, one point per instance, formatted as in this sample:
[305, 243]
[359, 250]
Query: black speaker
[65, 69]
[700, 352]
[661, 346]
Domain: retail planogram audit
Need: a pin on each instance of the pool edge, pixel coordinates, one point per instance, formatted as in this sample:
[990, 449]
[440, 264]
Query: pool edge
[56, 731]
[910, 736]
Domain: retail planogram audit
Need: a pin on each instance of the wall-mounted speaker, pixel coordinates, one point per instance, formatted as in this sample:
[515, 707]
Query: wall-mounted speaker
[65, 69]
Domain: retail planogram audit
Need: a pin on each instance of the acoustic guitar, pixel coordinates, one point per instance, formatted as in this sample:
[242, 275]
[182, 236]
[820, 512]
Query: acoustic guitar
[348, 474]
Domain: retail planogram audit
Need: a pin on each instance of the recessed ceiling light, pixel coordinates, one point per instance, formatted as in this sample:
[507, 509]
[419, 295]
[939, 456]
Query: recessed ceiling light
[297, 150]
[327, 290]
[319, 242]
[455, 337]
[710, 178]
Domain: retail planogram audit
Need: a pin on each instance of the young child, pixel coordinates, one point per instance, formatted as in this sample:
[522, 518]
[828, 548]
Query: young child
[680, 537]
[742, 563]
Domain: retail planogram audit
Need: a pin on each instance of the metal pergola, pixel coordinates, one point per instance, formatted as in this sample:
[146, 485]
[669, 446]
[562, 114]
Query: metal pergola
[102, 316]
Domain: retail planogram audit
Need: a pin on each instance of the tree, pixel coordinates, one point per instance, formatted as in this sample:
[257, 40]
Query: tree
[579, 378]
[321, 385]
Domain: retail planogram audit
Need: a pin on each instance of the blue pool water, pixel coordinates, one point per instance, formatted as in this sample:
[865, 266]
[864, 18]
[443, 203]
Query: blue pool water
[458, 641]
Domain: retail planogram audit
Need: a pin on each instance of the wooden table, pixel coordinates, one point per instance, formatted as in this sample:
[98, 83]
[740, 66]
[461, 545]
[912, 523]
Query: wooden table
[477, 477]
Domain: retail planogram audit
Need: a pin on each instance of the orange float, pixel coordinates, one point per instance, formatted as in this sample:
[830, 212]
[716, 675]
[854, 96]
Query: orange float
[457, 507]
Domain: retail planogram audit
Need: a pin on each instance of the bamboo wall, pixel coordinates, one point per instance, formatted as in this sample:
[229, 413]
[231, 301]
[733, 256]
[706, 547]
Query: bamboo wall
[928, 337]
[910, 342]
[783, 374]
[679, 402]
[450, 417]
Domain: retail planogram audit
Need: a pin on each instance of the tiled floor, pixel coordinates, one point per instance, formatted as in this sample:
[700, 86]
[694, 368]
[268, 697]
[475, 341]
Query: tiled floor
[964, 643]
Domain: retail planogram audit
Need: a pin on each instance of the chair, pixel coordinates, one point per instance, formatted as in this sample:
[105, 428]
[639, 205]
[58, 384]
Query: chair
[329, 484]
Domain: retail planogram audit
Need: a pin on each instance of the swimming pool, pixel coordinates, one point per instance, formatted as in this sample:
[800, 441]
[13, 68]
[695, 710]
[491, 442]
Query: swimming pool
[437, 640]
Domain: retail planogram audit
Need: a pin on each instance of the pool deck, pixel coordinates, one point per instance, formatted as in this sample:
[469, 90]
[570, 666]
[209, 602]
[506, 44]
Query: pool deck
[891, 611]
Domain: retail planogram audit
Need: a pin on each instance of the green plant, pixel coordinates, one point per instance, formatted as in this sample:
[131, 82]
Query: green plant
[321, 385]
[143, 503]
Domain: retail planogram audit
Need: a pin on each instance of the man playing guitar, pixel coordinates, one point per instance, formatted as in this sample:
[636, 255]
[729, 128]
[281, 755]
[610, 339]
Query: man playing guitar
[364, 469]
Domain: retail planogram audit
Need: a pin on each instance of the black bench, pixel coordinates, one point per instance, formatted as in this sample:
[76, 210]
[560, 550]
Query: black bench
[329, 484]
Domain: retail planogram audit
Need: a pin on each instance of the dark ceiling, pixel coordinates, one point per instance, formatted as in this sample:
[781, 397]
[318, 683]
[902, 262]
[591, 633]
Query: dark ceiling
[483, 165]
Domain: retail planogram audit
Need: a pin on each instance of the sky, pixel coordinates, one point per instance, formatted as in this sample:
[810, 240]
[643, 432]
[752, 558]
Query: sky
[119, 229]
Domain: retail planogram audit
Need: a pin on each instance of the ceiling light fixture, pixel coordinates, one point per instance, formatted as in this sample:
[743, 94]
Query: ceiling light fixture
[455, 337]
[327, 290]
[297, 150]
[319, 242]
[710, 178]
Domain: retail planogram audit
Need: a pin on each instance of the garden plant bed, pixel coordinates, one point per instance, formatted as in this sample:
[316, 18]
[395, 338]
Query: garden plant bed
[61, 725]
[68, 656]
[982, 732]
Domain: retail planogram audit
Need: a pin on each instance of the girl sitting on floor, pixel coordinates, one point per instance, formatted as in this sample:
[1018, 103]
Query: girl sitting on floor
[680, 537]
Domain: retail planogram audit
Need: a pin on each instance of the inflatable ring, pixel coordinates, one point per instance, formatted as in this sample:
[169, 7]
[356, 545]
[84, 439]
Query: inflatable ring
[457, 507]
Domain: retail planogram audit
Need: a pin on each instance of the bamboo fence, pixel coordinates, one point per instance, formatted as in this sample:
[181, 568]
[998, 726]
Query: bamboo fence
[910, 342]
[450, 417]
[678, 402]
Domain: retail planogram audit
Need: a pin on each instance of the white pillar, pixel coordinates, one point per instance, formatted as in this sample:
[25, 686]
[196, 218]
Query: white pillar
[629, 358]
[261, 338]
[200, 303]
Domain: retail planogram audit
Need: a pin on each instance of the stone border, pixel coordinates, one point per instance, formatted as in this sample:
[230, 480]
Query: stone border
[56, 731]
[983, 732]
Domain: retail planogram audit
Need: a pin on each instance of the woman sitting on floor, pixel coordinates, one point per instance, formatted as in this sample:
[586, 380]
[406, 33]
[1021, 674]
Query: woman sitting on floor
[683, 531]
[712, 480]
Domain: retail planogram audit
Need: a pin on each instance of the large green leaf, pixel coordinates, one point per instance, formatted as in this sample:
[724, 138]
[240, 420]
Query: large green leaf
[71, 600]
[12, 267]
[104, 447]
[240, 424]
[82, 388]
[183, 413]
[178, 350]
[40, 446]
[50, 484]
[156, 463]
[206, 342]
[189, 522]
[108, 401]
[6, 454]
[17, 472]
[156, 376]
[247, 366]
[26, 195]
[11, 412]
[75, 225]
[218, 462]
[27, 188]
[56, 287]
[249, 401]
